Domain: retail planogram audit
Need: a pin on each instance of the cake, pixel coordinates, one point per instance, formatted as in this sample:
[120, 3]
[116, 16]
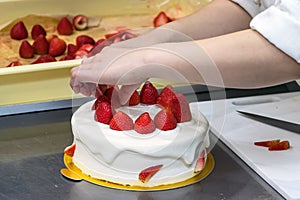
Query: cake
[133, 157]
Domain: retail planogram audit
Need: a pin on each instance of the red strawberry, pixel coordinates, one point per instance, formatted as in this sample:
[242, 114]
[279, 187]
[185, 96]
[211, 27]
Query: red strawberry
[267, 143]
[37, 30]
[148, 94]
[200, 162]
[14, 63]
[165, 120]
[146, 174]
[166, 95]
[81, 53]
[134, 99]
[41, 45]
[19, 31]
[80, 22]
[121, 122]
[112, 94]
[104, 113]
[100, 99]
[57, 47]
[26, 50]
[44, 59]
[84, 39]
[71, 49]
[181, 109]
[144, 124]
[161, 19]
[65, 27]
[67, 57]
[70, 150]
[283, 145]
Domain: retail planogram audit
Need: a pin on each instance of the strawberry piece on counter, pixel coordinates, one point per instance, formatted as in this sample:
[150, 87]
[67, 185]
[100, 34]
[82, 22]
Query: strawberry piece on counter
[70, 150]
[37, 30]
[134, 99]
[44, 59]
[161, 19]
[65, 27]
[41, 45]
[104, 113]
[146, 174]
[80, 22]
[19, 31]
[84, 39]
[283, 145]
[267, 143]
[26, 50]
[144, 124]
[148, 94]
[71, 49]
[57, 47]
[121, 122]
[165, 120]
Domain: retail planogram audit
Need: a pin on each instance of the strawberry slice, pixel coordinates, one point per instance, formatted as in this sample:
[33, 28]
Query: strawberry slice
[70, 150]
[104, 113]
[84, 39]
[161, 19]
[200, 162]
[14, 63]
[148, 94]
[165, 120]
[267, 143]
[44, 59]
[283, 145]
[134, 99]
[121, 122]
[144, 124]
[146, 174]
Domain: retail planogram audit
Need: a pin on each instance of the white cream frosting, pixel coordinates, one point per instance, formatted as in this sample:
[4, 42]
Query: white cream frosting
[119, 156]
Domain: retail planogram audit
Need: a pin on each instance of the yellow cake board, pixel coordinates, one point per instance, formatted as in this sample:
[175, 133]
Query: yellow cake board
[72, 172]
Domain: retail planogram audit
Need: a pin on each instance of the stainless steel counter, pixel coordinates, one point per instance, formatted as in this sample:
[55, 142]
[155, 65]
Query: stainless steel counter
[31, 156]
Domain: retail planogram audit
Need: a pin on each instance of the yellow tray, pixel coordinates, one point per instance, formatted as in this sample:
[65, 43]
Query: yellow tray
[72, 172]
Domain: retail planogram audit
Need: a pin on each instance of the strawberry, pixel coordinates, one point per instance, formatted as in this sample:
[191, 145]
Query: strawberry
[161, 19]
[200, 162]
[146, 174]
[65, 27]
[41, 45]
[267, 143]
[283, 145]
[166, 95]
[37, 30]
[144, 124]
[165, 120]
[57, 47]
[44, 59]
[84, 39]
[70, 150]
[100, 99]
[67, 57]
[134, 99]
[80, 22]
[81, 53]
[181, 109]
[19, 31]
[103, 113]
[71, 49]
[26, 50]
[148, 94]
[14, 63]
[121, 122]
[110, 93]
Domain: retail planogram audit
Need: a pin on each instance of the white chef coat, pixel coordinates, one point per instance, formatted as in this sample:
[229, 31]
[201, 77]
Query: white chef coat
[278, 21]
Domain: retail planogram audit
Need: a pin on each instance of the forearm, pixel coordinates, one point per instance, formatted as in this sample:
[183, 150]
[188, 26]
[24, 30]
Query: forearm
[217, 18]
[247, 60]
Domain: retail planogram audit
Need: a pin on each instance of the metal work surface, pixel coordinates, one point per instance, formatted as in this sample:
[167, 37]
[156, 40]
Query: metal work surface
[31, 153]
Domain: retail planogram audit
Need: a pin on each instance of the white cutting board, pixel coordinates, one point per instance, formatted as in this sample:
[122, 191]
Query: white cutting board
[279, 168]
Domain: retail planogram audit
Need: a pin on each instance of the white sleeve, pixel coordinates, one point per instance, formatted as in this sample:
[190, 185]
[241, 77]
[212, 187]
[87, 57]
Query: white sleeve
[279, 23]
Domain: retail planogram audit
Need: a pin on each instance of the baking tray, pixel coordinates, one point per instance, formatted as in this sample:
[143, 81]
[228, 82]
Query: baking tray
[50, 81]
